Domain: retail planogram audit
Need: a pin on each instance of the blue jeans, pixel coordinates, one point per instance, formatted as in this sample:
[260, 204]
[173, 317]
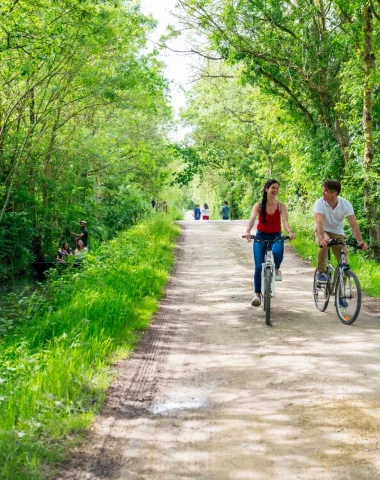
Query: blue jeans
[259, 252]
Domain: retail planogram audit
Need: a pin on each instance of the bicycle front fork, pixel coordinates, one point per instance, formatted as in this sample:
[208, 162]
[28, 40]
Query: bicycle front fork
[268, 267]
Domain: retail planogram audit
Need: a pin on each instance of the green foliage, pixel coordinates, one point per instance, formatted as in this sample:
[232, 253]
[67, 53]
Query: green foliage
[15, 235]
[193, 165]
[55, 362]
[292, 78]
[240, 138]
[83, 121]
[123, 208]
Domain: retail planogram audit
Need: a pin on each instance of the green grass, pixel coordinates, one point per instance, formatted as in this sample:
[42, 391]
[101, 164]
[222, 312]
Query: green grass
[55, 361]
[367, 270]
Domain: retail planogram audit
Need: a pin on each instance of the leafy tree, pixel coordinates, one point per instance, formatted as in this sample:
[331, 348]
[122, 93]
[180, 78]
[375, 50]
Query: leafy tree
[320, 60]
[246, 137]
[83, 115]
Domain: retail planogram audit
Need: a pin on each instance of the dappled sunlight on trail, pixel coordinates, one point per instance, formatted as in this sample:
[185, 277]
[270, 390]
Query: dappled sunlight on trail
[213, 393]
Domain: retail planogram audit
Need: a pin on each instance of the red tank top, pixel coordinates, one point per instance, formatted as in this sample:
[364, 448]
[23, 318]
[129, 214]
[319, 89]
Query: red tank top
[273, 222]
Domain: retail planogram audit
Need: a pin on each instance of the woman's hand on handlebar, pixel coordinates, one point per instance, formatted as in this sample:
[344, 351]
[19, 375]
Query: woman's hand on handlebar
[248, 236]
[291, 235]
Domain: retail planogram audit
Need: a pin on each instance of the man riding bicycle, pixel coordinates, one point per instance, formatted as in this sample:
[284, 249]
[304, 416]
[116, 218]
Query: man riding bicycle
[330, 212]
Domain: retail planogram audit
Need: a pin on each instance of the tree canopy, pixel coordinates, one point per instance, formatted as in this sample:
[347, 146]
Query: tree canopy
[84, 115]
[314, 63]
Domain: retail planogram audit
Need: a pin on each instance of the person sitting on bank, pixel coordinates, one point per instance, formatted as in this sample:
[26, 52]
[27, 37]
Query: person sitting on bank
[63, 252]
[81, 250]
[84, 233]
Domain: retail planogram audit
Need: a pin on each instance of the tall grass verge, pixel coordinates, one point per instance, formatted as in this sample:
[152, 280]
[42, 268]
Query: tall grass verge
[367, 270]
[55, 364]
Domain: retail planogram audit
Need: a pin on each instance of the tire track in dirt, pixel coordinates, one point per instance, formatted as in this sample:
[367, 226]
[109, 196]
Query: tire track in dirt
[131, 393]
[211, 393]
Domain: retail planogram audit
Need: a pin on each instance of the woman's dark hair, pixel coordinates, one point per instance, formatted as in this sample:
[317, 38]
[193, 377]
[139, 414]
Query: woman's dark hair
[263, 207]
[205, 205]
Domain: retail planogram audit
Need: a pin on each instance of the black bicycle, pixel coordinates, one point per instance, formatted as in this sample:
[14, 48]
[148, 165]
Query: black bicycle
[341, 282]
[268, 284]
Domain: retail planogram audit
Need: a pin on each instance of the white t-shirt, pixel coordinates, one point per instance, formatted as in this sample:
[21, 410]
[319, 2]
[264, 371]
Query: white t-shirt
[334, 217]
[205, 212]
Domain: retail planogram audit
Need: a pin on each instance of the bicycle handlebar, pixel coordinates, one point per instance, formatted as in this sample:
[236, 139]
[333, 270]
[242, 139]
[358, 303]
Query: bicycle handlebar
[334, 241]
[282, 238]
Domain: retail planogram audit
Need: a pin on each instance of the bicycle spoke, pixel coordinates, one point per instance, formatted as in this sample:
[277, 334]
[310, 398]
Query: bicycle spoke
[267, 297]
[348, 298]
[321, 294]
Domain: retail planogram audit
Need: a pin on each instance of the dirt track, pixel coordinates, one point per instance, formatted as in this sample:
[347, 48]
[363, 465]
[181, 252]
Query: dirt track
[212, 393]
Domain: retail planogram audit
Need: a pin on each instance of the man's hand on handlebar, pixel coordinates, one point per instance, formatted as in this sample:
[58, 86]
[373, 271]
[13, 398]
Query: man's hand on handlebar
[324, 243]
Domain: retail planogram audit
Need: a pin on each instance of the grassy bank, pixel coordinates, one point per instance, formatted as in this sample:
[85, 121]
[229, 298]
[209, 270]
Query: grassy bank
[368, 271]
[55, 359]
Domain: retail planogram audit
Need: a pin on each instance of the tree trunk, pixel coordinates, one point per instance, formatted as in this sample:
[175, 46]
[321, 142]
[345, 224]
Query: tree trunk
[270, 165]
[370, 182]
[343, 137]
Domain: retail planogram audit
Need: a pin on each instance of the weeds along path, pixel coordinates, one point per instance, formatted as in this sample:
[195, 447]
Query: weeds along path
[212, 393]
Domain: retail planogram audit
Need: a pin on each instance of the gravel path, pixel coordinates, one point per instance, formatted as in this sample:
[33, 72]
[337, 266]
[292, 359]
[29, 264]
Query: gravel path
[212, 393]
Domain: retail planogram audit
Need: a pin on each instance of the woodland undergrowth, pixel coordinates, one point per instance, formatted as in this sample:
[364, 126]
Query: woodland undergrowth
[56, 357]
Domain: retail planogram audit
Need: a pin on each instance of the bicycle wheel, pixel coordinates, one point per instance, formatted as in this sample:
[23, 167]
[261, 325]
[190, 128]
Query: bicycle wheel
[267, 296]
[321, 292]
[348, 298]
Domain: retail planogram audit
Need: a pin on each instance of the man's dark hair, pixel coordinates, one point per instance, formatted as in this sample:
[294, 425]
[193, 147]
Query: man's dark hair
[333, 186]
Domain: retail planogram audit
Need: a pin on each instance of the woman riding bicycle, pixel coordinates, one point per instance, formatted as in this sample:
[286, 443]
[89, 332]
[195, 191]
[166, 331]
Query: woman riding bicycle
[270, 212]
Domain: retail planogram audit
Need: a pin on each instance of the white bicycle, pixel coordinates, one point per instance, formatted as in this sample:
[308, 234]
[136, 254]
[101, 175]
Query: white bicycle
[341, 282]
[268, 283]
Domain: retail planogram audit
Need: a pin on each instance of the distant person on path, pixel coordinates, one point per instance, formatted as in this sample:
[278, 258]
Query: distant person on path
[153, 203]
[205, 212]
[64, 252]
[84, 233]
[164, 207]
[270, 212]
[330, 212]
[225, 212]
[81, 249]
[197, 213]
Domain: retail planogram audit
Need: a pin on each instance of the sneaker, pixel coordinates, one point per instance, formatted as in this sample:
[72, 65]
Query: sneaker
[256, 301]
[278, 276]
[321, 277]
[342, 302]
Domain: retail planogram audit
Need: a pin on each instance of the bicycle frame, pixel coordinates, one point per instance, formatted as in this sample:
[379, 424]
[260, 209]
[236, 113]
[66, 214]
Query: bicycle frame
[268, 265]
[336, 272]
[343, 283]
